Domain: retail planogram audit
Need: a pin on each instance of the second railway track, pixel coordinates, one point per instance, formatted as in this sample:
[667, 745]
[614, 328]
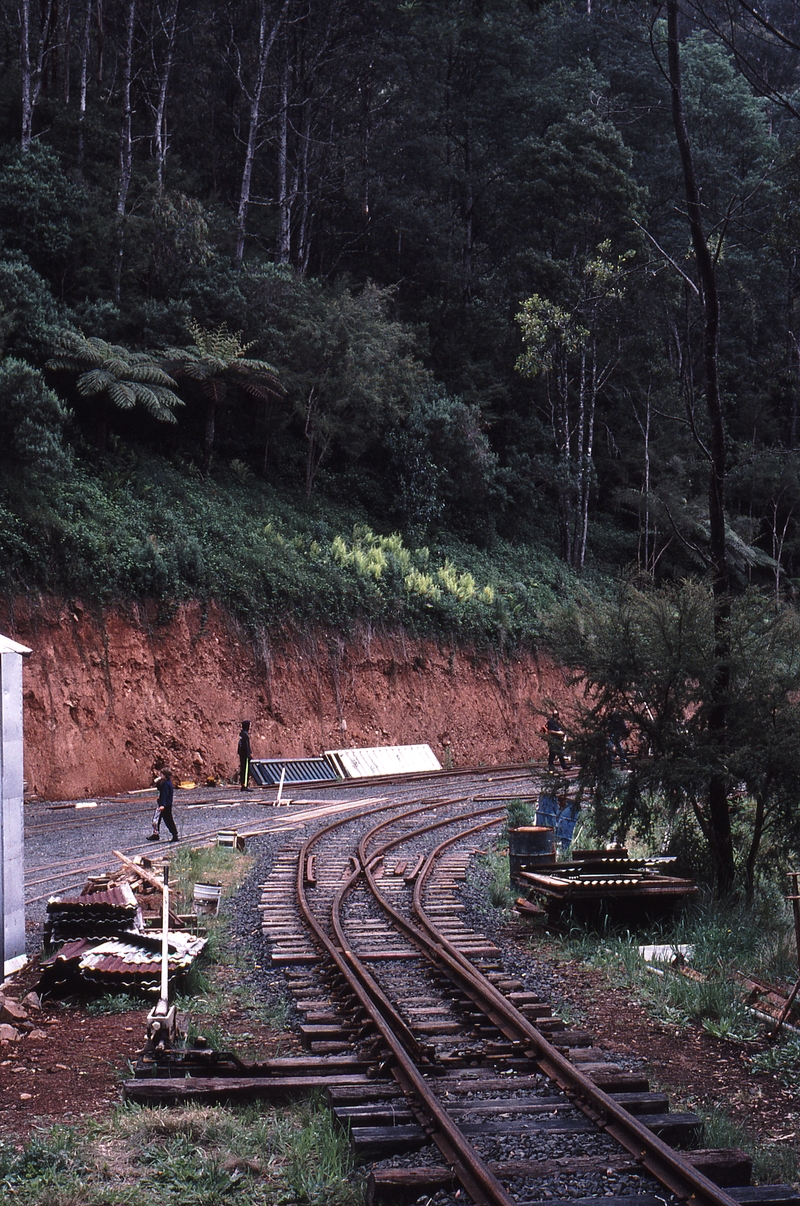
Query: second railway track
[448, 1072]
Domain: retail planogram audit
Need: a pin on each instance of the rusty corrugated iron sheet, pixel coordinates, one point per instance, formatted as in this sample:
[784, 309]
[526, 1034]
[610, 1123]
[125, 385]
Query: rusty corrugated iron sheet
[104, 913]
[106, 946]
[113, 896]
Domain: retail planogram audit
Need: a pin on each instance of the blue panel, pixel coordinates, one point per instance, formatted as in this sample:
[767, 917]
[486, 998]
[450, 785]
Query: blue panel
[267, 771]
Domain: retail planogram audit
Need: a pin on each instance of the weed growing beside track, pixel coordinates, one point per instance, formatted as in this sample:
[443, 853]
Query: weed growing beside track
[194, 1155]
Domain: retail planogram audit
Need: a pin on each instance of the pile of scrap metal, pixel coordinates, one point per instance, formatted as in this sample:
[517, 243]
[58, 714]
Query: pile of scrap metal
[103, 943]
[603, 881]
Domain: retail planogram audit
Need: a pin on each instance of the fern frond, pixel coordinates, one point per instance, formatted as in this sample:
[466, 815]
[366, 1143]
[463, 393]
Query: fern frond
[153, 403]
[149, 374]
[94, 382]
[122, 395]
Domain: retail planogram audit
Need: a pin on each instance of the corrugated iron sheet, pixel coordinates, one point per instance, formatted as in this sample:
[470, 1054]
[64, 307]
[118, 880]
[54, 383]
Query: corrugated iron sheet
[115, 896]
[267, 771]
[383, 760]
[125, 964]
[105, 913]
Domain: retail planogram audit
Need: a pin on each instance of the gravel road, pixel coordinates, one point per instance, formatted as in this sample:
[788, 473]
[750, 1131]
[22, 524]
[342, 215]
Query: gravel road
[67, 841]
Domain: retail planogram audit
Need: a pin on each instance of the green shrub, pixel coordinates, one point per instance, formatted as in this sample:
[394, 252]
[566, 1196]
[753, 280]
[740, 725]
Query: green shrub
[519, 813]
[141, 526]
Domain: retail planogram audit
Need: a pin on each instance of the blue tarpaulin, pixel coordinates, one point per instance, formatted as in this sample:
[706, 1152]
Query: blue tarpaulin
[559, 813]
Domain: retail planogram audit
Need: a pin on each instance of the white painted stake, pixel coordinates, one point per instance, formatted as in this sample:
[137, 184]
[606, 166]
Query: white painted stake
[280, 785]
[164, 939]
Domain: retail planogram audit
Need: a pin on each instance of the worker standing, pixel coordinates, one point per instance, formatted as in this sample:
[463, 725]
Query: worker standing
[245, 754]
[555, 737]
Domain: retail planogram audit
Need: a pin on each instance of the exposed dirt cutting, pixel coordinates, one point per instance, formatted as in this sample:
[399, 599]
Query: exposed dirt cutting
[108, 697]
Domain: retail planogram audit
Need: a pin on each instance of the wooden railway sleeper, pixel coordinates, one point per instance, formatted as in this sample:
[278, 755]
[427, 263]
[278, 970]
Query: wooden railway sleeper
[685, 1181]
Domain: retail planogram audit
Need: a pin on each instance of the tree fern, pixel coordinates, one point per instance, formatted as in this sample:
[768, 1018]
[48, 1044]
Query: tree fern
[124, 378]
[216, 360]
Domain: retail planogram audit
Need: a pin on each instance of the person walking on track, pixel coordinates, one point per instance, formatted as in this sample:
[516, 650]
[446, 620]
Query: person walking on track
[163, 812]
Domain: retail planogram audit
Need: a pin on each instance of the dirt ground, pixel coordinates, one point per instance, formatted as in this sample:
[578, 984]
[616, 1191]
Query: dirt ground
[696, 1069]
[78, 1067]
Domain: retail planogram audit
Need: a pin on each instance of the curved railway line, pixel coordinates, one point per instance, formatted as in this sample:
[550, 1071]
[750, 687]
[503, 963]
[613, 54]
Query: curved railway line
[447, 1072]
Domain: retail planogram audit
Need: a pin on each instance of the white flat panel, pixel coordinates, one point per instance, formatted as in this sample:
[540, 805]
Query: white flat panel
[11, 788]
[384, 760]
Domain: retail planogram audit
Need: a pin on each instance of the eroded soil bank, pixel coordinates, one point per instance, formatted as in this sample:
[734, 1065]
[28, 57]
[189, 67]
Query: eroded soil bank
[109, 696]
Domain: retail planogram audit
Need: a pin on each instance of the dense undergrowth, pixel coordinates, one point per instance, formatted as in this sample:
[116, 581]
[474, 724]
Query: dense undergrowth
[143, 526]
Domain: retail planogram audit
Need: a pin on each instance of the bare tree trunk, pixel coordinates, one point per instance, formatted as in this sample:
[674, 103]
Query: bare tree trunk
[265, 43]
[67, 47]
[778, 541]
[586, 462]
[84, 77]
[32, 68]
[718, 805]
[303, 187]
[644, 427]
[284, 203]
[101, 42]
[469, 211]
[562, 434]
[125, 143]
[755, 843]
[578, 468]
[366, 134]
[169, 24]
[26, 72]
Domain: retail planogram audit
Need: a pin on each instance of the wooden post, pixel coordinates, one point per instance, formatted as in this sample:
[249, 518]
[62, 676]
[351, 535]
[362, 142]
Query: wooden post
[795, 899]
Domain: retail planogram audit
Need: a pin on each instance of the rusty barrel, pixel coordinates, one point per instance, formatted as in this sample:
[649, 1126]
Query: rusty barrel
[529, 847]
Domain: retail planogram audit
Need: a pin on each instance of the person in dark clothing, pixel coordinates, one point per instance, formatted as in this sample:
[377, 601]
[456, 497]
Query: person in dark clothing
[166, 793]
[555, 737]
[245, 754]
[617, 732]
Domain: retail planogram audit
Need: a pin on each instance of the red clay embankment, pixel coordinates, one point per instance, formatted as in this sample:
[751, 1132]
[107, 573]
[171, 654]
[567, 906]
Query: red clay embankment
[111, 695]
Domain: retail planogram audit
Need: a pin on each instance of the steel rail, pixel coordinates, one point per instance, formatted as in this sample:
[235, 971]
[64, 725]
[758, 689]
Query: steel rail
[472, 1171]
[101, 861]
[666, 1164]
[502, 769]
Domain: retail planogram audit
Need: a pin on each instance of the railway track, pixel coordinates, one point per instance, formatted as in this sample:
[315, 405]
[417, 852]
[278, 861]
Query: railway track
[450, 1074]
[92, 833]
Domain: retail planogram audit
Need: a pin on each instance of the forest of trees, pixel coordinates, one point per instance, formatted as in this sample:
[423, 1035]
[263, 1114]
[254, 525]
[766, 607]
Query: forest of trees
[440, 254]
[490, 276]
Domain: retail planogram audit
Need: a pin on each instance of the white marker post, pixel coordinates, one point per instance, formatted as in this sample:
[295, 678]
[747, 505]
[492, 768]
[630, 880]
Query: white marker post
[162, 1020]
[164, 995]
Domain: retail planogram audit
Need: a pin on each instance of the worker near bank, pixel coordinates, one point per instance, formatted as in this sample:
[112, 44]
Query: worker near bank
[618, 731]
[166, 794]
[245, 754]
[555, 736]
